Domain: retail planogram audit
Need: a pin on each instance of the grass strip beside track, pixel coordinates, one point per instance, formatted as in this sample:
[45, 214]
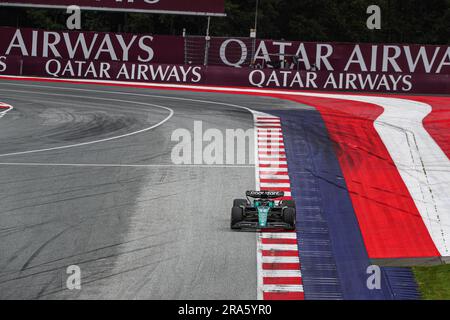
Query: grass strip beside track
[434, 282]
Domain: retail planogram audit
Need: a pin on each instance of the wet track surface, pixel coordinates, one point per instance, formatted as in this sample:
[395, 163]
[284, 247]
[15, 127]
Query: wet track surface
[137, 226]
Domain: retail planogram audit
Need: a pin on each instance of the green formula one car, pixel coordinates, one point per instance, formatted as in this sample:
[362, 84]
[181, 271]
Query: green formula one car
[261, 211]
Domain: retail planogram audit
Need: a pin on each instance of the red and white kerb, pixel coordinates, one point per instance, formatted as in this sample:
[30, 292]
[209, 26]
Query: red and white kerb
[278, 262]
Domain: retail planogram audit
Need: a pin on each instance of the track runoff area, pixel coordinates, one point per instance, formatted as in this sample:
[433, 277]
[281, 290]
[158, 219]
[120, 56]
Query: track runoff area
[369, 174]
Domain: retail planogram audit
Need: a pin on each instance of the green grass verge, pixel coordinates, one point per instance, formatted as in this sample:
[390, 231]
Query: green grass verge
[434, 282]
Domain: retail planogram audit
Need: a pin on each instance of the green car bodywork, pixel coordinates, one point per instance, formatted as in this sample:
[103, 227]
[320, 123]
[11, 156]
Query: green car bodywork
[263, 211]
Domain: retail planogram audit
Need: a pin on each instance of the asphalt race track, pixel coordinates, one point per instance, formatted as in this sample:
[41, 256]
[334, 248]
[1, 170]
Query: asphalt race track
[87, 180]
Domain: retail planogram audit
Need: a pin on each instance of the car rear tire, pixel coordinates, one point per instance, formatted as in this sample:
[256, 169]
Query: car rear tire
[236, 217]
[290, 217]
[288, 203]
[239, 202]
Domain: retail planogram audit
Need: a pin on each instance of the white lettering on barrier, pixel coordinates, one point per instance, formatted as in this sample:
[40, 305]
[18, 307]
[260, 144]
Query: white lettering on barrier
[118, 47]
[244, 53]
[340, 81]
[283, 79]
[140, 72]
[3, 64]
[356, 57]
[372, 82]
[59, 45]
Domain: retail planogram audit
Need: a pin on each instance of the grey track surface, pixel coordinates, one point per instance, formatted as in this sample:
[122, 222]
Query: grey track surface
[136, 232]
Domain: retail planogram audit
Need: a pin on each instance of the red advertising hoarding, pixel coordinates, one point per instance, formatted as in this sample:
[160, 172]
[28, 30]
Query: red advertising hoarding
[401, 68]
[196, 7]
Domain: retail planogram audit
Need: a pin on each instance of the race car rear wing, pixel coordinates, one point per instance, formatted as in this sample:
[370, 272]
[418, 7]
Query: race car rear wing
[265, 194]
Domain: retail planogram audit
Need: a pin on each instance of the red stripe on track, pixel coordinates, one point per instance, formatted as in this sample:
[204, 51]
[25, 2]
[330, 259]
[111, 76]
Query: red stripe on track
[282, 281]
[271, 133]
[273, 154]
[262, 144]
[283, 166]
[390, 222]
[271, 136]
[279, 253]
[273, 173]
[276, 181]
[272, 159]
[273, 188]
[278, 241]
[281, 266]
[270, 148]
[284, 296]
[269, 144]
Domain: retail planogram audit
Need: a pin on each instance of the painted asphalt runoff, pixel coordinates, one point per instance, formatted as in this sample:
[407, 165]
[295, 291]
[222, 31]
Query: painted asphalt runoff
[333, 254]
[137, 232]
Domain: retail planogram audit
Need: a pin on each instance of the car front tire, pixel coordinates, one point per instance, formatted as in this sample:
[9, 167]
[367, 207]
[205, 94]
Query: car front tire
[236, 217]
[290, 217]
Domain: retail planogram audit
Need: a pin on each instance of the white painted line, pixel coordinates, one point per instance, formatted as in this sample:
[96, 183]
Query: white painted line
[279, 247]
[272, 157]
[263, 140]
[271, 150]
[272, 154]
[272, 135]
[268, 121]
[274, 170]
[106, 165]
[268, 126]
[282, 274]
[279, 235]
[268, 131]
[275, 185]
[171, 113]
[6, 108]
[270, 144]
[274, 163]
[283, 288]
[267, 159]
[270, 259]
[274, 177]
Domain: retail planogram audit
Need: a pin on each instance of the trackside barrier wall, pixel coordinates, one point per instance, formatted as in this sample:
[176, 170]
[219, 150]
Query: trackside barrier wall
[226, 76]
[396, 68]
